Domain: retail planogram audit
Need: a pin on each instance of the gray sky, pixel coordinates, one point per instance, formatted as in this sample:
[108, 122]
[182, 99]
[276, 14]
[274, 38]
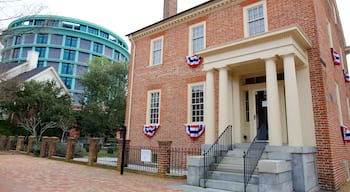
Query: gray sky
[126, 16]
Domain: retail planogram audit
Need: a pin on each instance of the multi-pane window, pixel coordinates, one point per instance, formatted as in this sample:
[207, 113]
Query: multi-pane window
[197, 103]
[15, 53]
[71, 41]
[69, 55]
[67, 69]
[18, 40]
[41, 50]
[42, 38]
[52, 23]
[156, 51]
[104, 34]
[67, 81]
[116, 55]
[97, 47]
[154, 107]
[197, 38]
[256, 19]
[39, 22]
[92, 30]
[40, 64]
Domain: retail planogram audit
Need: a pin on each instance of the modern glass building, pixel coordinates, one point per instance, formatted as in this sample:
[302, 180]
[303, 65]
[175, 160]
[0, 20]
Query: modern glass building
[65, 43]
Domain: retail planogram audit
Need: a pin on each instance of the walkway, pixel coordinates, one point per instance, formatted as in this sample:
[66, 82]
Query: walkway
[22, 173]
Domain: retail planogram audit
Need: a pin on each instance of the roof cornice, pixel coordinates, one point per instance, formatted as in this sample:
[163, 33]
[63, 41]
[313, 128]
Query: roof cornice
[185, 16]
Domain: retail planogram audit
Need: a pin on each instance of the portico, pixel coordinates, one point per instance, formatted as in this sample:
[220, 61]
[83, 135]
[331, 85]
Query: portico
[260, 80]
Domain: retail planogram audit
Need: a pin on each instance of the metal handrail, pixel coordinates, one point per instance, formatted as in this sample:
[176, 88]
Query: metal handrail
[253, 154]
[216, 152]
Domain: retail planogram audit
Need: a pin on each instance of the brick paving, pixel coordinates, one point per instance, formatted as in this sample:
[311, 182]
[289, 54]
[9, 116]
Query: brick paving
[23, 173]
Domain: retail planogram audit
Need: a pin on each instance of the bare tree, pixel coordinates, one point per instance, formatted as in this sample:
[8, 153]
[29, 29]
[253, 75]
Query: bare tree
[12, 9]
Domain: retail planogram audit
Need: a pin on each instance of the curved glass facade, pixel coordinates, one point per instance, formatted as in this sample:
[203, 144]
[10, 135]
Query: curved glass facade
[65, 43]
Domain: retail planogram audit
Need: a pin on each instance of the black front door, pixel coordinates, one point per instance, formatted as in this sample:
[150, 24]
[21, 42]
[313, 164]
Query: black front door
[261, 114]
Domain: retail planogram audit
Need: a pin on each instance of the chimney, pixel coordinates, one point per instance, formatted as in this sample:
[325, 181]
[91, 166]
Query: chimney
[170, 8]
[32, 59]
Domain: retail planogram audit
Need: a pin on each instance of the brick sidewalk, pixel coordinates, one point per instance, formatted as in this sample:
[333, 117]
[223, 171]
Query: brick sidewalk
[22, 173]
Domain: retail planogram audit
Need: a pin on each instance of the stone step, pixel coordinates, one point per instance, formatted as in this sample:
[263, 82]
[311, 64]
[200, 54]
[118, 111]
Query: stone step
[233, 160]
[230, 186]
[233, 177]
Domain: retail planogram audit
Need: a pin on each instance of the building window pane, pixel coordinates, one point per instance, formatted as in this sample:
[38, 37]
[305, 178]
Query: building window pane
[67, 69]
[69, 55]
[56, 39]
[92, 30]
[154, 106]
[197, 38]
[71, 41]
[197, 103]
[256, 20]
[85, 44]
[42, 38]
[67, 81]
[54, 53]
[15, 53]
[97, 47]
[157, 51]
[42, 51]
[40, 64]
[39, 22]
[18, 40]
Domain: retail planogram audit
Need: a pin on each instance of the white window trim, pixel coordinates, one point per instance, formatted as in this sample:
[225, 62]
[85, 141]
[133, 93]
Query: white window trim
[190, 34]
[340, 113]
[245, 16]
[189, 99]
[151, 51]
[148, 119]
[330, 37]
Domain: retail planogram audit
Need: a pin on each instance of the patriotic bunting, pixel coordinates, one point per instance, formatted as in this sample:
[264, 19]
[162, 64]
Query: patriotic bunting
[194, 60]
[335, 56]
[346, 76]
[150, 130]
[346, 133]
[194, 131]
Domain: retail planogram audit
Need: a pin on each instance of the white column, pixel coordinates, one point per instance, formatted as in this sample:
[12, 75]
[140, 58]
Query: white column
[223, 101]
[237, 135]
[295, 137]
[273, 104]
[209, 117]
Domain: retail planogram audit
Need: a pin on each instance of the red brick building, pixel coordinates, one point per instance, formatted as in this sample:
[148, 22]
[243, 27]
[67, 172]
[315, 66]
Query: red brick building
[262, 62]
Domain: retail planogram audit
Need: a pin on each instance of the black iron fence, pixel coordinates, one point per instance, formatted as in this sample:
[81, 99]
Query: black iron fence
[253, 154]
[217, 151]
[146, 159]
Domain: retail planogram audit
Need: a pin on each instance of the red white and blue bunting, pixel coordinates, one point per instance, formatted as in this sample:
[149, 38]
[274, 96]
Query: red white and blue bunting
[346, 133]
[194, 60]
[335, 56]
[346, 76]
[150, 130]
[194, 131]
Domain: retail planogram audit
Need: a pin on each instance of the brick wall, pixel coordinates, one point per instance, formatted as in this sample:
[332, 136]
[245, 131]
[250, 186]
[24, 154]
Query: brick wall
[226, 25]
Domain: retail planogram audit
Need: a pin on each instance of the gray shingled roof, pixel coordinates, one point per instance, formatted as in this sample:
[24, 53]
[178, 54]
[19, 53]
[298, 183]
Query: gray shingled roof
[26, 75]
[7, 66]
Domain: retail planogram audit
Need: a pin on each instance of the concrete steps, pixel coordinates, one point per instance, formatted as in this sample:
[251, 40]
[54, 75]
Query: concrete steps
[229, 173]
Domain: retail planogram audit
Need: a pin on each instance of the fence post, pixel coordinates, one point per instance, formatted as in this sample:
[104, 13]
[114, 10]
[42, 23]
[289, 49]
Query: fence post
[10, 142]
[20, 141]
[164, 157]
[120, 152]
[52, 146]
[44, 146]
[93, 149]
[3, 142]
[70, 148]
[31, 141]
